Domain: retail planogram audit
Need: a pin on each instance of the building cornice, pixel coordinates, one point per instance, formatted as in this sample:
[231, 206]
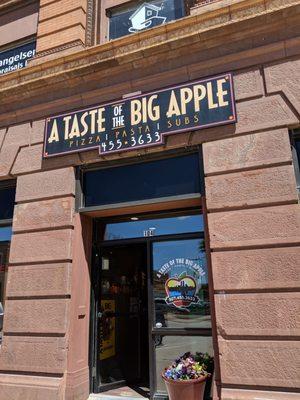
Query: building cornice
[209, 25]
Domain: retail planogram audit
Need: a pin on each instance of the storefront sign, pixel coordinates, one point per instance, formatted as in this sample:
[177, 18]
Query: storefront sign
[107, 330]
[184, 280]
[17, 58]
[142, 121]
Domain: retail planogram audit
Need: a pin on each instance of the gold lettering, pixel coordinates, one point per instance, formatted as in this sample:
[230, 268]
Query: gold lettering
[75, 131]
[67, 128]
[173, 106]
[186, 95]
[54, 137]
[186, 120]
[199, 94]
[84, 124]
[196, 118]
[101, 120]
[210, 97]
[169, 124]
[144, 102]
[153, 112]
[178, 121]
[135, 112]
[221, 93]
[93, 121]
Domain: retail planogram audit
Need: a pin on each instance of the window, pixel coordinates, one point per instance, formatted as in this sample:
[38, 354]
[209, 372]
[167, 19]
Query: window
[120, 18]
[139, 227]
[18, 27]
[145, 181]
[295, 138]
[139, 16]
[7, 199]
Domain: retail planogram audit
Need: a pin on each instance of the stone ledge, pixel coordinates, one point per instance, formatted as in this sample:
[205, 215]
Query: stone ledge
[240, 394]
[123, 49]
[30, 387]
[259, 269]
[260, 363]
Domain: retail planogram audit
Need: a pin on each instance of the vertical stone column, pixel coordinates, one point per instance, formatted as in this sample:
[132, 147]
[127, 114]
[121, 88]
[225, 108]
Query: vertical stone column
[41, 291]
[254, 226]
[77, 374]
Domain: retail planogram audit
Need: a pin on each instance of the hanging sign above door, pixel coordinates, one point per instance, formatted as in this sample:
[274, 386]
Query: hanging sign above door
[143, 120]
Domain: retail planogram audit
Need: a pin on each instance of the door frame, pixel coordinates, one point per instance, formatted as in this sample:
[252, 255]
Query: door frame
[97, 245]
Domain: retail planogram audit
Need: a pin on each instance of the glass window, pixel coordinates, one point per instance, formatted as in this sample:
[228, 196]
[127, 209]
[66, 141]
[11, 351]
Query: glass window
[296, 156]
[5, 233]
[171, 347]
[180, 284]
[7, 200]
[141, 15]
[136, 182]
[297, 146]
[154, 227]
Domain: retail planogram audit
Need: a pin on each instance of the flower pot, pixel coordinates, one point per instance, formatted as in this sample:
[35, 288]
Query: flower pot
[192, 389]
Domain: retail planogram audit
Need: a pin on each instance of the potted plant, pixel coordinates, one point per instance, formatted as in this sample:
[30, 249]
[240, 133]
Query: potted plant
[186, 377]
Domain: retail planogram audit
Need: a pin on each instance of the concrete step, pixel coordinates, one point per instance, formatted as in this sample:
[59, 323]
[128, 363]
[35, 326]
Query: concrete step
[104, 396]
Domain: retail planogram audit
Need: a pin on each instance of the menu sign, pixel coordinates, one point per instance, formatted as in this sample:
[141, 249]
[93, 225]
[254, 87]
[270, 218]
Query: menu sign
[143, 120]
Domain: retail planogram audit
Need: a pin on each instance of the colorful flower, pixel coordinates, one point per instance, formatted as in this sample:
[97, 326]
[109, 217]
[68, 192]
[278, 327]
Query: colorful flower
[190, 366]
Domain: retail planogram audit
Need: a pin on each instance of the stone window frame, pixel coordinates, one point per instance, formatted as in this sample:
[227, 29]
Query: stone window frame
[97, 31]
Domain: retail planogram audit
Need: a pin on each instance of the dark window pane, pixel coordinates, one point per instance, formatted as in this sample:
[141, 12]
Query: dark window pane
[180, 279]
[149, 180]
[154, 227]
[4, 255]
[7, 201]
[297, 146]
[141, 15]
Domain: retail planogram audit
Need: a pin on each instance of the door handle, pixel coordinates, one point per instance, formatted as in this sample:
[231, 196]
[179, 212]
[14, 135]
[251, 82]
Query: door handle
[100, 314]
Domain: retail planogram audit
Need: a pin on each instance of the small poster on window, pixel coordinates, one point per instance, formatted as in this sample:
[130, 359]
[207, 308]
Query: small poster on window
[107, 329]
[183, 280]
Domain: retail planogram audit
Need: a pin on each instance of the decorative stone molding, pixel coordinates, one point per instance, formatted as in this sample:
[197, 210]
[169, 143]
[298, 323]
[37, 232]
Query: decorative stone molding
[90, 23]
[129, 49]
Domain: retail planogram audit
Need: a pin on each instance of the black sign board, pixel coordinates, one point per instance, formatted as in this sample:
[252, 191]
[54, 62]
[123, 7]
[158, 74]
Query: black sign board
[143, 120]
[16, 58]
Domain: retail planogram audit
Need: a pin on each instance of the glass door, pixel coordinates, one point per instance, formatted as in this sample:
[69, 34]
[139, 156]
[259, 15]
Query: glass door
[180, 304]
[152, 299]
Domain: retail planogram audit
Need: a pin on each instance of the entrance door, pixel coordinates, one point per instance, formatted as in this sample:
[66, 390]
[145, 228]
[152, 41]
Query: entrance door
[152, 302]
[122, 303]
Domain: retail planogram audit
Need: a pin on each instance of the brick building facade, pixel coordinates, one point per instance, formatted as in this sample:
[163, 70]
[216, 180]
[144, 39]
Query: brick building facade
[250, 204]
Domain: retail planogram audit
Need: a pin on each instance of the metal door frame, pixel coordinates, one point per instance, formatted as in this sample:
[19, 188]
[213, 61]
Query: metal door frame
[148, 241]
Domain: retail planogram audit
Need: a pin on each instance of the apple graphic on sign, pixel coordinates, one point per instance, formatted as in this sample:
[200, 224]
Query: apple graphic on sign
[181, 291]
